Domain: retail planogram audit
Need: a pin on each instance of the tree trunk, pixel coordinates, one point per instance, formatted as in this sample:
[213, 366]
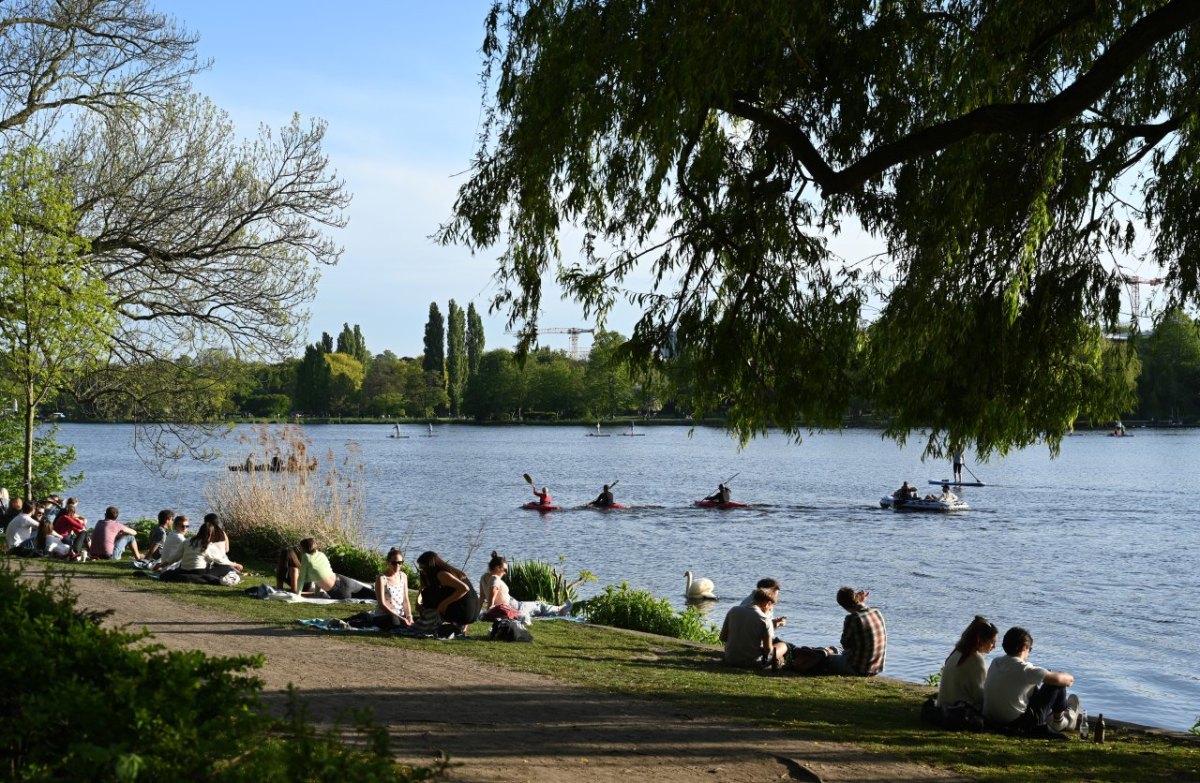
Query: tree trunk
[29, 425]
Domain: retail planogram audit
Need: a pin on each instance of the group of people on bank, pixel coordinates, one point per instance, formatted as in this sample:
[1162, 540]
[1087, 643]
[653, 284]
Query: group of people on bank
[447, 600]
[55, 528]
[1010, 695]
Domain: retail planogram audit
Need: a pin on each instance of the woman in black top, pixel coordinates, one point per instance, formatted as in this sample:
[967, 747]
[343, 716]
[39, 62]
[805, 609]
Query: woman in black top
[447, 589]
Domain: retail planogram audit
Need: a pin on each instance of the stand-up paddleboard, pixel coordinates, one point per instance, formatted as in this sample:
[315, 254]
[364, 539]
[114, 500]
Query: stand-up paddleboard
[948, 482]
[398, 436]
[598, 435]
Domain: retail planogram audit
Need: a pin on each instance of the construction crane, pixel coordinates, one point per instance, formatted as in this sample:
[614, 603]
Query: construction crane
[1134, 284]
[574, 332]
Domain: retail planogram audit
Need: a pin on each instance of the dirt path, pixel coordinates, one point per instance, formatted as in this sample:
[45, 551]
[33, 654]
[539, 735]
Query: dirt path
[501, 725]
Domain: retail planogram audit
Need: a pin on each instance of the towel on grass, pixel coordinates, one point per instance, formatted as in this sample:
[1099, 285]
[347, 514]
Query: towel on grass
[335, 625]
[269, 593]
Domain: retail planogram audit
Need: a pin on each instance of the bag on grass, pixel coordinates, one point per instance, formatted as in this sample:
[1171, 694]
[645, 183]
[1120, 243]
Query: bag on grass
[509, 631]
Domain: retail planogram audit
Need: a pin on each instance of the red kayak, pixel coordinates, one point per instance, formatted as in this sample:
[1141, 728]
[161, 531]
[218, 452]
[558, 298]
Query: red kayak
[540, 507]
[715, 504]
[608, 508]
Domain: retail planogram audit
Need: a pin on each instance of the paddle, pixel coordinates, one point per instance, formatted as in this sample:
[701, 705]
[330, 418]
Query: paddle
[731, 478]
[972, 474]
[528, 479]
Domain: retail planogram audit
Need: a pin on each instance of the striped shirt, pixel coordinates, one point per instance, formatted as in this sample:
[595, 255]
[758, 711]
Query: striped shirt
[864, 641]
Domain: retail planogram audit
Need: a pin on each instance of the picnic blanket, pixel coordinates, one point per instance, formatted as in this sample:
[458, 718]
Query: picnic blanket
[336, 625]
[268, 593]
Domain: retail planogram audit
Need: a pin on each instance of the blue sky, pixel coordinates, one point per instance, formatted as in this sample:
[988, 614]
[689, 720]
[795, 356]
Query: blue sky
[398, 85]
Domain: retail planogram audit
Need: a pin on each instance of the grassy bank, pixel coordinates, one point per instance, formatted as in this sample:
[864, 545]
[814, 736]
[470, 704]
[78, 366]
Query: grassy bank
[880, 715]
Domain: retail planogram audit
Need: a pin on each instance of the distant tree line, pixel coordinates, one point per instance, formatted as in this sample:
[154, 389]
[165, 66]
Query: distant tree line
[456, 376]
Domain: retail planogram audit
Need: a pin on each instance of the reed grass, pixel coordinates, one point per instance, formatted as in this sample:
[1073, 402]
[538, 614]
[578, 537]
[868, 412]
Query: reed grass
[264, 511]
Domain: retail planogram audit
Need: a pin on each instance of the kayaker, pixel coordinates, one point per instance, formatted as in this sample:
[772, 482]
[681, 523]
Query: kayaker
[722, 495]
[604, 499]
[543, 497]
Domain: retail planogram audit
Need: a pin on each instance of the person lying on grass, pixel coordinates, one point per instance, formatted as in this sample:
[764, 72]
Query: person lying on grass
[315, 567]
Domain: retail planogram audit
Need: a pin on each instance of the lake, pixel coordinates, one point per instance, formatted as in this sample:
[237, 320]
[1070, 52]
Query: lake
[1093, 552]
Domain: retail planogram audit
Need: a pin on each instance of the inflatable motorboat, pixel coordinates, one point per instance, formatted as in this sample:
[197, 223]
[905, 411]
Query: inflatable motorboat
[920, 504]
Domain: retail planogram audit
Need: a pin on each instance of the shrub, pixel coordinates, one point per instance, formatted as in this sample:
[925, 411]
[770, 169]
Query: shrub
[88, 703]
[1195, 729]
[355, 562]
[637, 610]
[537, 580]
[143, 527]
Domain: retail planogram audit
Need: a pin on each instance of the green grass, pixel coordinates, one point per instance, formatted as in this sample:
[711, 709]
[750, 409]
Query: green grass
[879, 715]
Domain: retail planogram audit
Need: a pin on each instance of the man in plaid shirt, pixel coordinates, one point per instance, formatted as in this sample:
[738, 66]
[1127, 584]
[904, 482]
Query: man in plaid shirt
[864, 637]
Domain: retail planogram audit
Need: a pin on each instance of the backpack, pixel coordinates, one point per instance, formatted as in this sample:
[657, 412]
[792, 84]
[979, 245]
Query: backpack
[506, 630]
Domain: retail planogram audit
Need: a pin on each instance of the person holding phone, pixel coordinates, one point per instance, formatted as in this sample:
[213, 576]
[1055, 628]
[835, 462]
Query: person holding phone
[864, 637]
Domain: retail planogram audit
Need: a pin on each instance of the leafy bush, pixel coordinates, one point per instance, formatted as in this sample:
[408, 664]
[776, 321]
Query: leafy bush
[356, 562]
[1195, 729]
[637, 610]
[143, 527]
[87, 703]
[537, 580]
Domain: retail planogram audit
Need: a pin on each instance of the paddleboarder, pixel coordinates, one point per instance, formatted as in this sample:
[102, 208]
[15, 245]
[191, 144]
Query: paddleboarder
[958, 465]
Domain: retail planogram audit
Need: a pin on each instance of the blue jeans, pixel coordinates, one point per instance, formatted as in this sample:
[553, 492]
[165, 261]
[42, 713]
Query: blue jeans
[119, 545]
[1045, 701]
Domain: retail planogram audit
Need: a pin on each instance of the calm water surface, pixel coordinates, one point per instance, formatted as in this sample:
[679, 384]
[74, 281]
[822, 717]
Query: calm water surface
[1095, 551]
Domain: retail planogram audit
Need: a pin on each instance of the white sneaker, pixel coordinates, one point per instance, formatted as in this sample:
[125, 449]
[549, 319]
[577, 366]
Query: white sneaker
[1069, 719]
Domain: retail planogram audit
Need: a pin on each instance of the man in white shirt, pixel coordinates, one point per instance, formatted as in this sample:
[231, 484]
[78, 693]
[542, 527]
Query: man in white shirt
[174, 540]
[1028, 698]
[22, 527]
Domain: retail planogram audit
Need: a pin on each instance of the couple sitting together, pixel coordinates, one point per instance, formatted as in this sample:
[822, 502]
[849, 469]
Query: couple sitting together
[749, 636]
[1012, 695]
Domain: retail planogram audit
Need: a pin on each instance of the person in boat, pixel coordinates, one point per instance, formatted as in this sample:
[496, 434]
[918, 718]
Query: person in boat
[904, 494]
[722, 495]
[543, 498]
[947, 496]
[958, 463]
[447, 591]
[604, 499]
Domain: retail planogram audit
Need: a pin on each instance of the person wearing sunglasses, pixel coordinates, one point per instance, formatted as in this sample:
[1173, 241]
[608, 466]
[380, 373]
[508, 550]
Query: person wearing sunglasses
[391, 588]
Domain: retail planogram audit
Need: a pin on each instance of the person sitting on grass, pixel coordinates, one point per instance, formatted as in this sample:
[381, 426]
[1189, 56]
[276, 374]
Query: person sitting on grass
[159, 533]
[749, 634]
[772, 587]
[965, 669]
[22, 527]
[496, 603]
[864, 637]
[111, 538]
[446, 591]
[315, 568]
[220, 537]
[1021, 697]
[391, 587]
[201, 561]
[69, 521]
[174, 540]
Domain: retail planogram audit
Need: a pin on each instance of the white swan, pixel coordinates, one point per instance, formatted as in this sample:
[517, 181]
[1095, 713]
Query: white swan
[699, 589]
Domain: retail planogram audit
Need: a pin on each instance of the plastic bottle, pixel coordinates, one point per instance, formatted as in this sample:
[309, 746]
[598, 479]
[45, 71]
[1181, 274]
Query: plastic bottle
[1099, 733]
[1083, 726]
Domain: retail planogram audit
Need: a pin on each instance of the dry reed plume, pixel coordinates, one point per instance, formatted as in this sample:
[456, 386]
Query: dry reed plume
[283, 493]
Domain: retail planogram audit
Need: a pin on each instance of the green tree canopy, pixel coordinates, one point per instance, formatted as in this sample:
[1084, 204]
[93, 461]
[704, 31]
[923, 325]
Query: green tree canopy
[475, 340]
[56, 319]
[456, 357]
[999, 152]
